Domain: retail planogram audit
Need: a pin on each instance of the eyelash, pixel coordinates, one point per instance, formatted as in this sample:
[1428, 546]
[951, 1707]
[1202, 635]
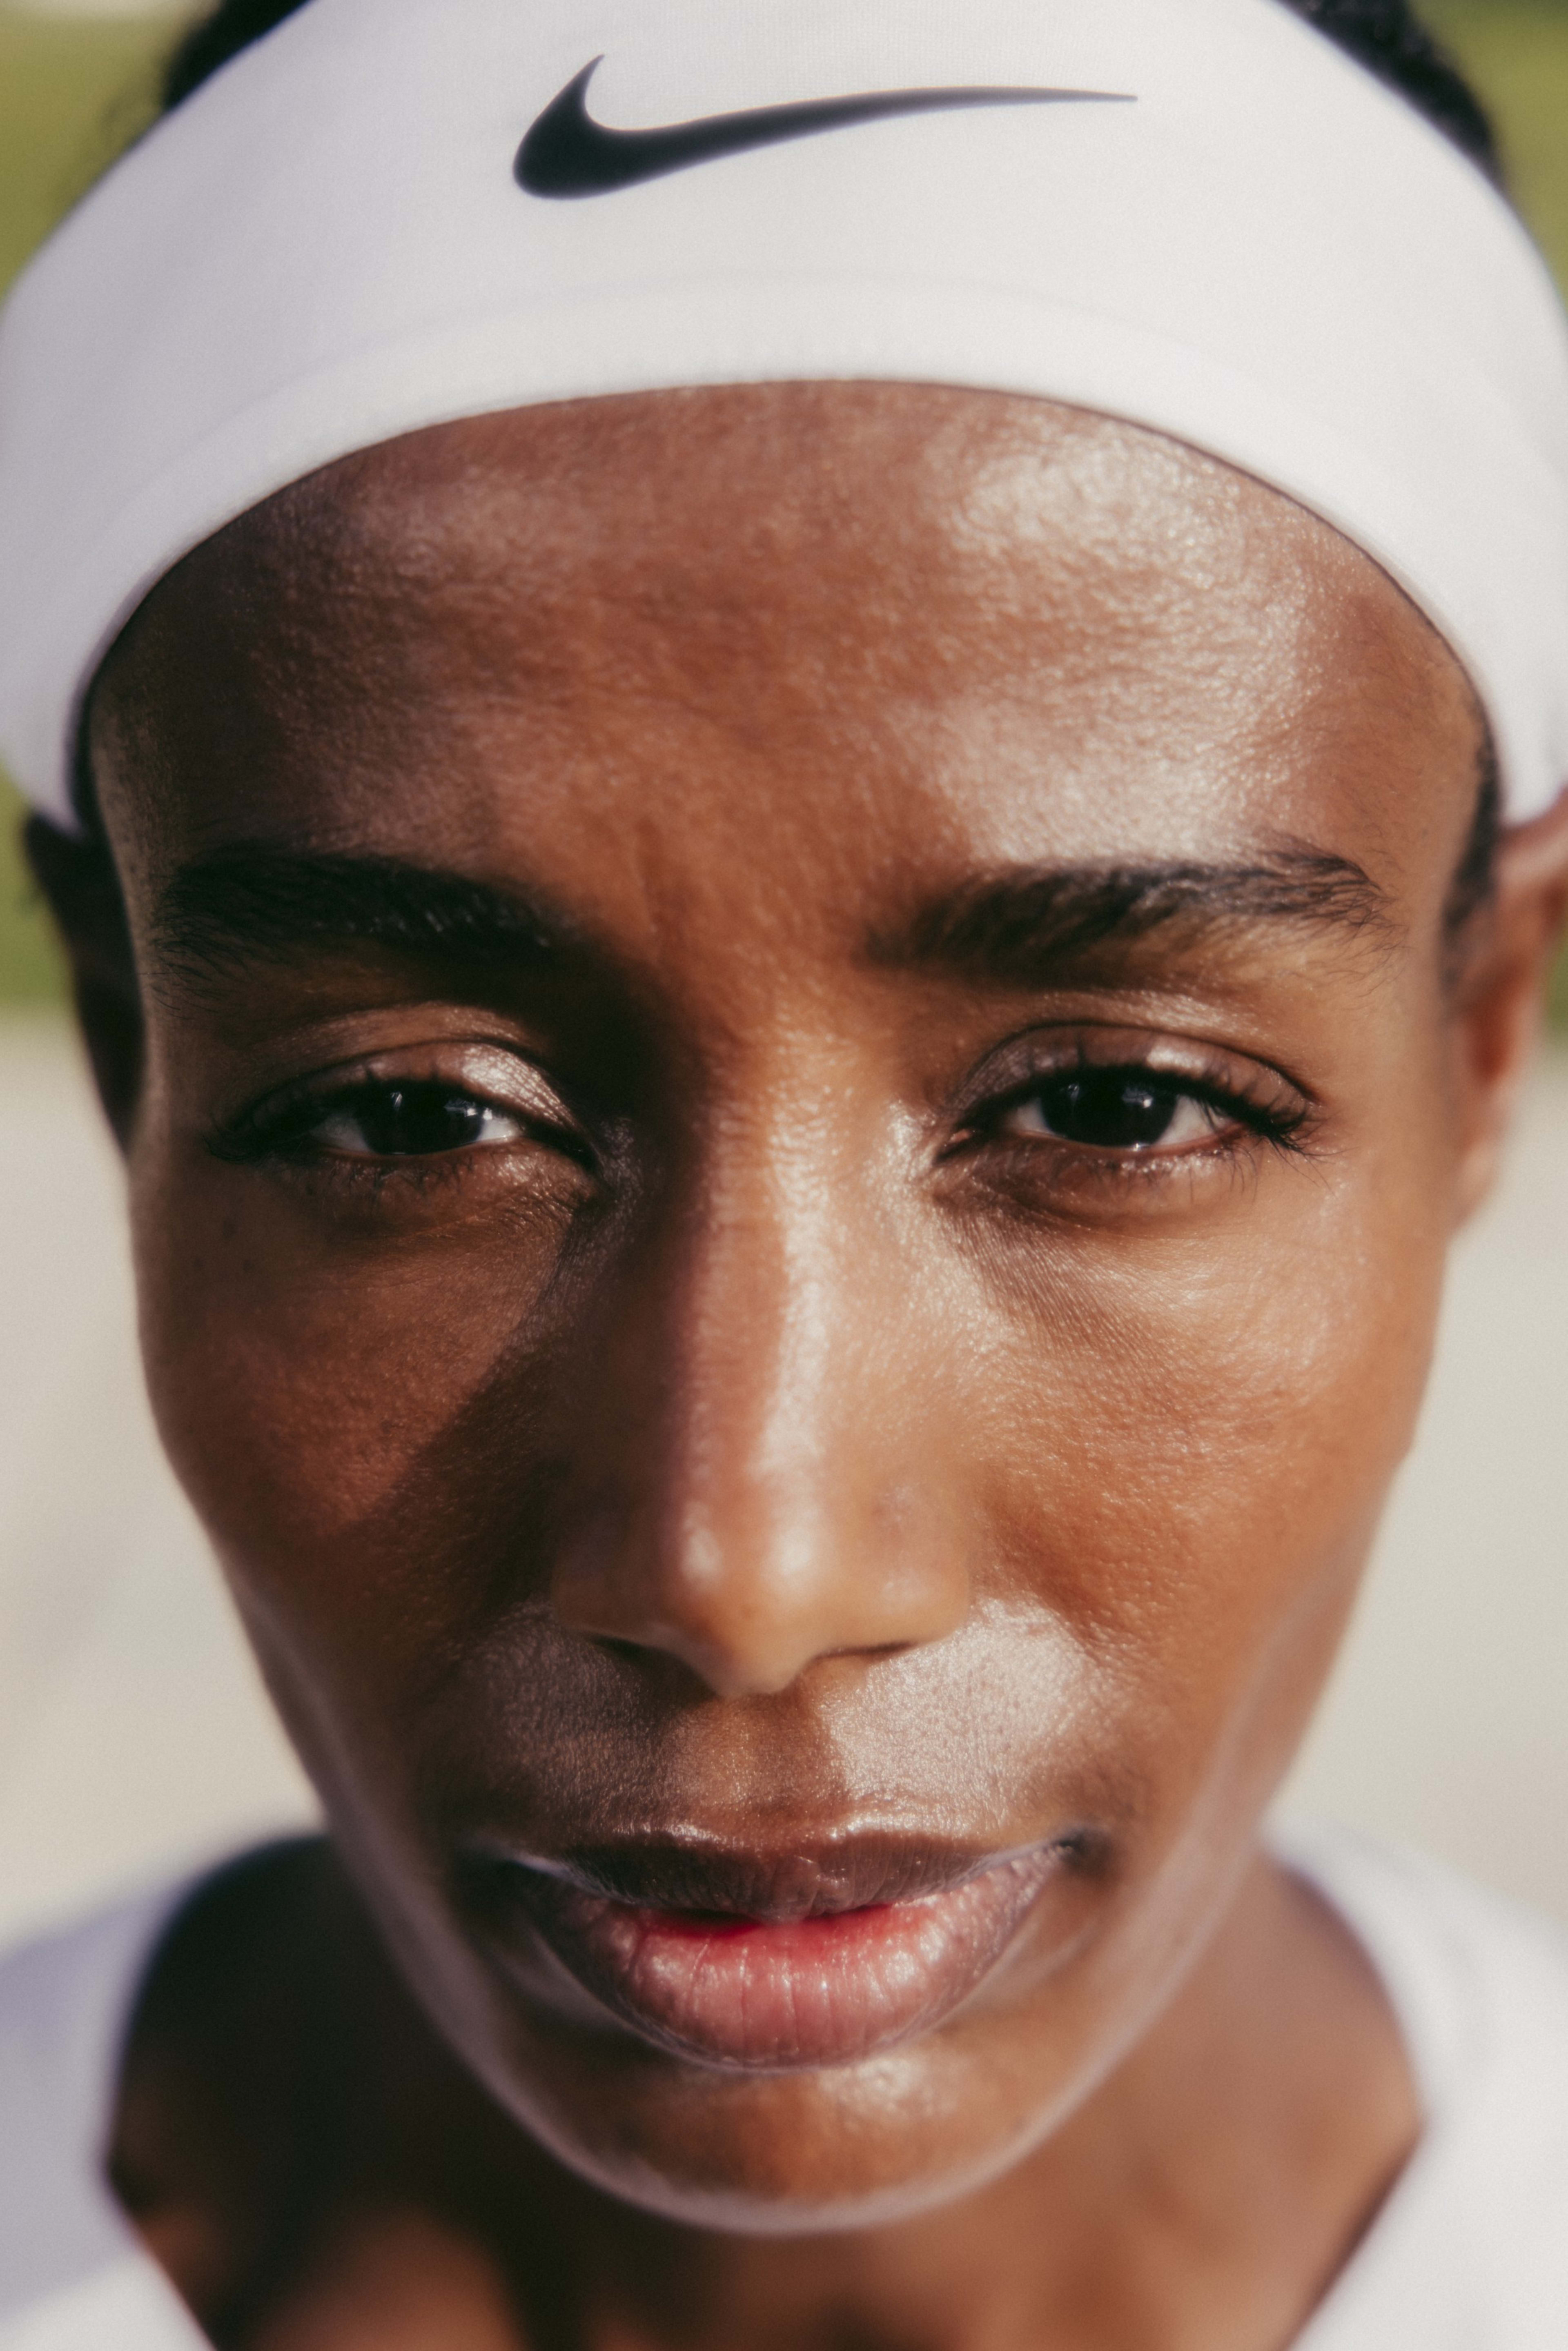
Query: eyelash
[1286, 1129]
[285, 1129]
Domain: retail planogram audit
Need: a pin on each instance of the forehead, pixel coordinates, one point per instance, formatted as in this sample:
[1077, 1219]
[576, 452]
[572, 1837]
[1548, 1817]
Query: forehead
[1008, 629]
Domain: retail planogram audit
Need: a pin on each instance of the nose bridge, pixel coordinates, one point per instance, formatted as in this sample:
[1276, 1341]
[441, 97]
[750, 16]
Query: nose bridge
[767, 1354]
[769, 1501]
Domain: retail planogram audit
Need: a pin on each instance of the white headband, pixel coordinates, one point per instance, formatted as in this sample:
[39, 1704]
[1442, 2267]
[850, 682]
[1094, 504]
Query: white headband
[1240, 239]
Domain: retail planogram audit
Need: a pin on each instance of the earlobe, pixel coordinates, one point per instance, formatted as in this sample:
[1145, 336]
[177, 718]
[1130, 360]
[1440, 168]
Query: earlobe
[1501, 989]
[78, 879]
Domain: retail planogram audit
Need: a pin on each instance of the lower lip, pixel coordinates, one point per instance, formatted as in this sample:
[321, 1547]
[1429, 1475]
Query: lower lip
[774, 1996]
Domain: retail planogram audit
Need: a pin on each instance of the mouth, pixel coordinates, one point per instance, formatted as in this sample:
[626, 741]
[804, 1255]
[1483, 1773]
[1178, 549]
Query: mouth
[810, 1960]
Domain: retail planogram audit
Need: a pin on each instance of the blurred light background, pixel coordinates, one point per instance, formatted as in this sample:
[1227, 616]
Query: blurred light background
[134, 1736]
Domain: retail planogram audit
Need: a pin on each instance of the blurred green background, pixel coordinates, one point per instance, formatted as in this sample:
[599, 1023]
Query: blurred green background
[75, 88]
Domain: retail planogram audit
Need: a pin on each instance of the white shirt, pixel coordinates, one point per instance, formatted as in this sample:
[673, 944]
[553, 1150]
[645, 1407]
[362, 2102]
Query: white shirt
[1469, 2254]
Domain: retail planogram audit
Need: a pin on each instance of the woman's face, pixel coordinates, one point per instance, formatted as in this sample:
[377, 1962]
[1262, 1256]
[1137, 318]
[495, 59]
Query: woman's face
[798, 1128]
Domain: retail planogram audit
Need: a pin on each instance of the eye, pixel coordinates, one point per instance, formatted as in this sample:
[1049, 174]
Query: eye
[1081, 1104]
[485, 1100]
[1115, 1109]
[388, 1120]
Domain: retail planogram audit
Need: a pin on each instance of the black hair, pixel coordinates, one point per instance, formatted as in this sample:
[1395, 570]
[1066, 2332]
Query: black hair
[1384, 35]
[216, 37]
[1390, 41]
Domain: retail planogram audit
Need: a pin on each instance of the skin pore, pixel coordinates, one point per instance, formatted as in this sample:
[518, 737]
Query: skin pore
[794, 1085]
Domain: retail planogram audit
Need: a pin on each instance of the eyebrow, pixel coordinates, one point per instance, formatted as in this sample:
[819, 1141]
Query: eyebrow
[1020, 926]
[248, 904]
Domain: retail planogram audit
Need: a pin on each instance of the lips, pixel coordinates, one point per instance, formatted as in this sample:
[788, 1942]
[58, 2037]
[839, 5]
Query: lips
[735, 1961]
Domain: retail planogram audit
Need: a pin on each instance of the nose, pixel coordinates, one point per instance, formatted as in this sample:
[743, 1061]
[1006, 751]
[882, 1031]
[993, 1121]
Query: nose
[765, 1479]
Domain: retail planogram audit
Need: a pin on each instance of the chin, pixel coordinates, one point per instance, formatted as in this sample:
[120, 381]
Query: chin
[809, 2154]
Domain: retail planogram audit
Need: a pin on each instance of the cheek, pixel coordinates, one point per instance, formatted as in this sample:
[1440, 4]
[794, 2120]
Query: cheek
[365, 1428]
[1199, 1436]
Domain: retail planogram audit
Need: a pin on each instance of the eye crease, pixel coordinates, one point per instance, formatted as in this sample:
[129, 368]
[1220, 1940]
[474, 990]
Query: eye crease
[367, 1116]
[1113, 1099]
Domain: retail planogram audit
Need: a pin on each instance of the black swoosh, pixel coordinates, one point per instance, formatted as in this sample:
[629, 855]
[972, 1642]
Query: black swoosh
[567, 153]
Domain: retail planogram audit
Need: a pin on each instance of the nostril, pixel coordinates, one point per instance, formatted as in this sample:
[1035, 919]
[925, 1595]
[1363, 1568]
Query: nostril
[631, 1651]
[662, 1667]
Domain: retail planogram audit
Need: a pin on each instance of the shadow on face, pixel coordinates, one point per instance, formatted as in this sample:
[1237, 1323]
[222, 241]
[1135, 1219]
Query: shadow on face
[797, 1122]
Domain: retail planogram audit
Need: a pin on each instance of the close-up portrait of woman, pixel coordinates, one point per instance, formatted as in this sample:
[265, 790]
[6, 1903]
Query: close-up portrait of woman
[801, 762]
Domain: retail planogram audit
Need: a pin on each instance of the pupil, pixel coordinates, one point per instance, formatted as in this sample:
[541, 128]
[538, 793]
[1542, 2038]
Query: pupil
[409, 1122]
[1110, 1109]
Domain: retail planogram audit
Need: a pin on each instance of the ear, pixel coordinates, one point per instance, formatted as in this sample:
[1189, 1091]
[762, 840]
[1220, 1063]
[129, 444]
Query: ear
[1500, 988]
[78, 878]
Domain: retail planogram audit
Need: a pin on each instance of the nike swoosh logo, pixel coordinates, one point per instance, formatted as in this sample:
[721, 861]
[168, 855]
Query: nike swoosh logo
[567, 153]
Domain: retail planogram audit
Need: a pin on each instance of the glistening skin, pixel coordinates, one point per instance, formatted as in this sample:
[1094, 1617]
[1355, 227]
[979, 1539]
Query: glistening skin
[795, 1080]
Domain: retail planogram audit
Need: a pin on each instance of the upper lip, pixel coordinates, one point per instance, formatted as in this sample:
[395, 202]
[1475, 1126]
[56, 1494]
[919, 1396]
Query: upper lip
[804, 1879]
